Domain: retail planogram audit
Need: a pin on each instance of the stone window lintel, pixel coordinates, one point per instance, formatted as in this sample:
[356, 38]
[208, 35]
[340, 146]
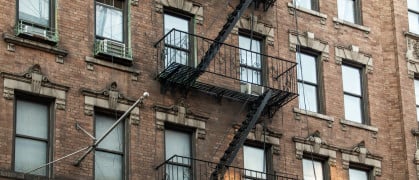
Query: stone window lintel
[309, 40]
[184, 5]
[353, 53]
[315, 145]
[259, 27]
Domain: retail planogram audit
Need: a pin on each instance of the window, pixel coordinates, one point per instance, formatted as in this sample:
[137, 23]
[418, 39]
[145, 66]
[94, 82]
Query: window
[413, 6]
[254, 162]
[177, 42]
[178, 143]
[250, 60]
[353, 93]
[358, 174]
[307, 82]
[109, 154]
[110, 20]
[36, 17]
[32, 122]
[312, 169]
[350, 11]
[308, 4]
[417, 98]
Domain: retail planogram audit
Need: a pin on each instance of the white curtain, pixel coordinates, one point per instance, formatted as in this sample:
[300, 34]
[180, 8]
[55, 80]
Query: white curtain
[109, 23]
[34, 11]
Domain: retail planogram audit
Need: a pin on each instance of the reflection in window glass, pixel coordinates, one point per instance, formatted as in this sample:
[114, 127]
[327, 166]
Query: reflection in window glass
[356, 174]
[254, 162]
[35, 11]
[109, 22]
[346, 10]
[307, 82]
[176, 39]
[353, 96]
[178, 143]
[303, 3]
[108, 166]
[250, 60]
[417, 97]
[414, 22]
[312, 169]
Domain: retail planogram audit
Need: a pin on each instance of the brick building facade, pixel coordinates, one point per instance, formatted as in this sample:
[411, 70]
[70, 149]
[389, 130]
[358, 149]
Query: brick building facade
[69, 69]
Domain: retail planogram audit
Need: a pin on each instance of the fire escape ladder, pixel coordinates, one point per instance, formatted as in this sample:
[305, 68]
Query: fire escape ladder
[238, 140]
[221, 37]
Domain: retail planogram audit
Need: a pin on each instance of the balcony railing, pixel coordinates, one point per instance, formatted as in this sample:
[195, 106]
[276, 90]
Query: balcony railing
[184, 168]
[233, 69]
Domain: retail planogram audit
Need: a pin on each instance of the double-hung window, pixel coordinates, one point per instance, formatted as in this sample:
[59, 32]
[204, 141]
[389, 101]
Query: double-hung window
[307, 4]
[37, 18]
[350, 11]
[413, 6]
[178, 147]
[109, 154]
[307, 82]
[250, 60]
[32, 142]
[177, 42]
[353, 93]
[254, 162]
[111, 29]
[312, 169]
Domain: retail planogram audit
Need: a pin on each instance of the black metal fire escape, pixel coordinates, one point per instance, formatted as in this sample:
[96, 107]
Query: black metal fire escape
[263, 105]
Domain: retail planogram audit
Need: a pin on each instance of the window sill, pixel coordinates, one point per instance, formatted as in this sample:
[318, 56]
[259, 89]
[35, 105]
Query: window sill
[352, 25]
[412, 35]
[314, 114]
[308, 11]
[20, 175]
[359, 125]
[33, 44]
[93, 60]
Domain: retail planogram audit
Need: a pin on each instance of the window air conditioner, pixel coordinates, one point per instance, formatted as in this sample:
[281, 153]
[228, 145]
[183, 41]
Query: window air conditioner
[252, 89]
[114, 48]
[34, 31]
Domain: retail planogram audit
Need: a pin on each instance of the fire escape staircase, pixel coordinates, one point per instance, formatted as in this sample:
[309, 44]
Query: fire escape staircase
[280, 87]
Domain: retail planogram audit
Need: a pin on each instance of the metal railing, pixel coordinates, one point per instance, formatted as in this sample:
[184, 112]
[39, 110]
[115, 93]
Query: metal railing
[35, 31]
[185, 168]
[238, 65]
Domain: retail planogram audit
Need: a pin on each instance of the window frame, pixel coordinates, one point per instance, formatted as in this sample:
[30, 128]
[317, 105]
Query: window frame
[409, 10]
[47, 101]
[125, 37]
[190, 18]
[261, 39]
[124, 153]
[319, 86]
[51, 24]
[314, 5]
[361, 167]
[357, 12]
[319, 158]
[267, 148]
[364, 100]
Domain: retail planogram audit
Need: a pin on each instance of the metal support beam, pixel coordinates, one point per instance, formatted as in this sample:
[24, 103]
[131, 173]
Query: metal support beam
[240, 137]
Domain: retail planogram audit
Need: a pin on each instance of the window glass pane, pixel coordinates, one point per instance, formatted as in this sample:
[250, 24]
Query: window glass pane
[413, 5]
[313, 170]
[351, 80]
[254, 161]
[307, 65]
[346, 10]
[417, 113]
[178, 39]
[178, 172]
[414, 22]
[250, 75]
[108, 166]
[353, 108]
[30, 154]
[114, 140]
[177, 143]
[303, 3]
[35, 11]
[310, 94]
[32, 119]
[355, 174]
[109, 23]
[417, 91]
[173, 55]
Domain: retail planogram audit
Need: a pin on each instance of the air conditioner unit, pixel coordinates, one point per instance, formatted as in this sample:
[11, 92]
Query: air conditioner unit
[252, 89]
[34, 31]
[114, 48]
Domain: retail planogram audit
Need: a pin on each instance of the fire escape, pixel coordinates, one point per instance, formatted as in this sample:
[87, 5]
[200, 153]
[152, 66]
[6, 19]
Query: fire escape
[218, 73]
